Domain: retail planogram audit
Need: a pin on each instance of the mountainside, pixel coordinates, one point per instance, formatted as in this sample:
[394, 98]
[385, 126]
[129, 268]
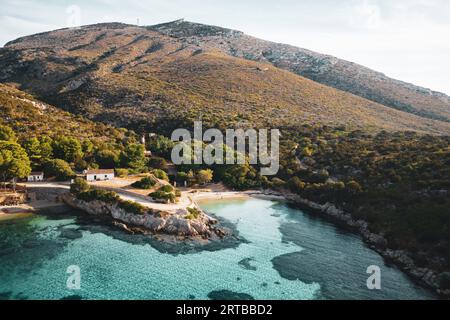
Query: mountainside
[29, 117]
[136, 76]
[325, 69]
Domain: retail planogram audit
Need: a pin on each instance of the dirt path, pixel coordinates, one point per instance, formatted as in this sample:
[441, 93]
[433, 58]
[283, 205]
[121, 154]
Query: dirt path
[184, 202]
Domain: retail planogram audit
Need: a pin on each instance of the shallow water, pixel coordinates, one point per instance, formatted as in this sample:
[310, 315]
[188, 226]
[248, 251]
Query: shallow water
[287, 255]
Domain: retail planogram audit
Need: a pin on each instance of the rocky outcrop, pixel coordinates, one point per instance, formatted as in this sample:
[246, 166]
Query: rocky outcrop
[155, 222]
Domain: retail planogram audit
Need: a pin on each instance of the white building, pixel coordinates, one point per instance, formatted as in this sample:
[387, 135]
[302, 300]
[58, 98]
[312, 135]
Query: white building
[99, 174]
[36, 176]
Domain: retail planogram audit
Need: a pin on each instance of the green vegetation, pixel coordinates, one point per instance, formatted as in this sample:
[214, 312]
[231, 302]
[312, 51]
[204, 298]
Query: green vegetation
[98, 195]
[121, 172]
[144, 183]
[204, 176]
[166, 193]
[161, 146]
[133, 156]
[14, 162]
[166, 188]
[133, 207]
[160, 174]
[29, 118]
[67, 148]
[107, 159]
[157, 163]
[81, 189]
[194, 213]
[59, 169]
[163, 196]
[79, 185]
[7, 134]
[397, 182]
[39, 150]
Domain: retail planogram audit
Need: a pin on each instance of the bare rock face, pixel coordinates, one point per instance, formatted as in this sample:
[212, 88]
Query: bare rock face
[157, 222]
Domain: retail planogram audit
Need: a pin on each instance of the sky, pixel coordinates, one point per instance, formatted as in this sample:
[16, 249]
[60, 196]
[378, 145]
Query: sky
[406, 39]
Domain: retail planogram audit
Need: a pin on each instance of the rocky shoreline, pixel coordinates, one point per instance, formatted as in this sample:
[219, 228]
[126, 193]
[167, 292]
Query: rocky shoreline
[202, 227]
[401, 258]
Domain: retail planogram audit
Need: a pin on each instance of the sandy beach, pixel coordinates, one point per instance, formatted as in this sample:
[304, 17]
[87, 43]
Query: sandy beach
[221, 195]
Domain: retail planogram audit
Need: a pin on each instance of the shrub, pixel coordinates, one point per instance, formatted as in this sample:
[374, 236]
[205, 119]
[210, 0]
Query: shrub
[121, 172]
[157, 163]
[161, 195]
[59, 169]
[296, 185]
[132, 207]
[144, 183]
[204, 176]
[166, 188]
[79, 186]
[160, 174]
[353, 186]
[100, 195]
[278, 183]
[181, 177]
[194, 213]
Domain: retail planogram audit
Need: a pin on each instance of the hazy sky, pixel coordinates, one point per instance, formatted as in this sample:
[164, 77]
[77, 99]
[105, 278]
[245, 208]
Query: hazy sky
[405, 39]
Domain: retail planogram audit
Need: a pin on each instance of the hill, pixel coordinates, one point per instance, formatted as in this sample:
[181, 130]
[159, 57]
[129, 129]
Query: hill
[29, 117]
[325, 69]
[138, 76]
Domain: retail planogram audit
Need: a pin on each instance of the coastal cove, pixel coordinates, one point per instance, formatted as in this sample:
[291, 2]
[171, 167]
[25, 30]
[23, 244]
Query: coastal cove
[284, 254]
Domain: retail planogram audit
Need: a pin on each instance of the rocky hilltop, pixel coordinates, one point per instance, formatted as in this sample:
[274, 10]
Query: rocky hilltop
[162, 77]
[322, 68]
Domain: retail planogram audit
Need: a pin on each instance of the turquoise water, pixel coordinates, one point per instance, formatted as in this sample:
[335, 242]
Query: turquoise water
[287, 255]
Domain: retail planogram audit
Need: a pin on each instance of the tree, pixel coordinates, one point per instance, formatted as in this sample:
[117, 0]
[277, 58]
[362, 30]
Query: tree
[296, 184]
[161, 146]
[133, 156]
[14, 161]
[87, 146]
[38, 150]
[107, 159]
[204, 176]
[144, 183]
[46, 149]
[157, 163]
[59, 169]
[33, 148]
[7, 134]
[80, 164]
[67, 148]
